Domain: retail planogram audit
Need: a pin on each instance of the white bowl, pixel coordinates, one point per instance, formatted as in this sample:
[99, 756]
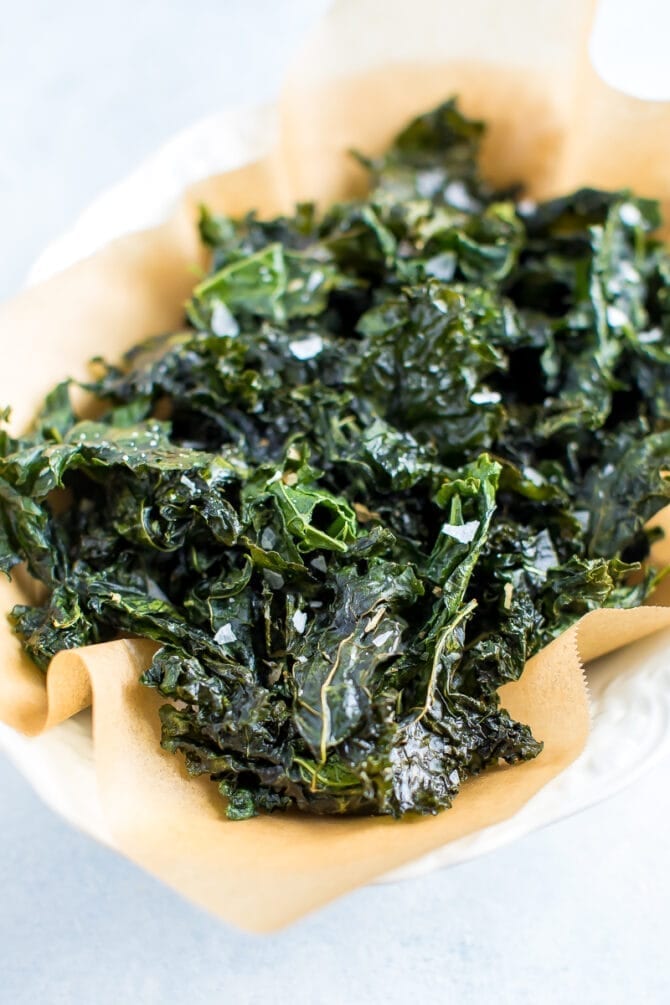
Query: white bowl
[630, 689]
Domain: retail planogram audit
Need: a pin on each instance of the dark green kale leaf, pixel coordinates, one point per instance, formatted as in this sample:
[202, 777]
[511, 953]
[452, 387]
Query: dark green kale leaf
[396, 448]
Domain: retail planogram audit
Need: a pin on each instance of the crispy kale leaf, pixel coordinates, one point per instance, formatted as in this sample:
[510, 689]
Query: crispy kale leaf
[396, 448]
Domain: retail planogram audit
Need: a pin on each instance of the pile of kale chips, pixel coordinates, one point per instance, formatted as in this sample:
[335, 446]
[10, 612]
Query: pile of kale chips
[409, 441]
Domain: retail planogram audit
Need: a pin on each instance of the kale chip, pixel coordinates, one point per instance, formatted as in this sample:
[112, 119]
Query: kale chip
[396, 449]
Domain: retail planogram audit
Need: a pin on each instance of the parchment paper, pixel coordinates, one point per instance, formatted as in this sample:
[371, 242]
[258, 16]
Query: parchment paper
[369, 68]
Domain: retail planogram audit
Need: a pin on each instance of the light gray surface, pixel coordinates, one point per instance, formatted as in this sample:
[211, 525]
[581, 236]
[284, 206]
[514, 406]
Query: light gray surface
[575, 913]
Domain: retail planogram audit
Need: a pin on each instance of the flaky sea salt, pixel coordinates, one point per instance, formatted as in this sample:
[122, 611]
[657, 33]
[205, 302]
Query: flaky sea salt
[225, 634]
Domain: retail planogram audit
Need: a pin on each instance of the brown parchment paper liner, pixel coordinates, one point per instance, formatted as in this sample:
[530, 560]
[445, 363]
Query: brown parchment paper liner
[369, 67]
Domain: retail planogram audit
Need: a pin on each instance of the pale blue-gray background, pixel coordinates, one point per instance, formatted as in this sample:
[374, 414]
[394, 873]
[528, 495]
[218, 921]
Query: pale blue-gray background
[576, 913]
